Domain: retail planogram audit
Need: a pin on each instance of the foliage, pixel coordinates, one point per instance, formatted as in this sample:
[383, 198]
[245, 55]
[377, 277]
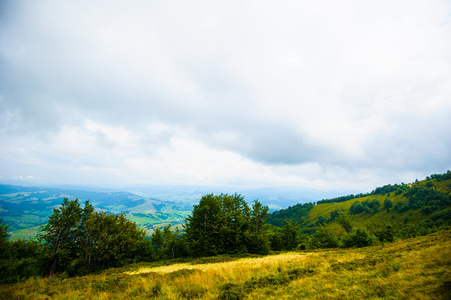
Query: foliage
[407, 269]
[367, 207]
[285, 238]
[79, 241]
[224, 224]
[441, 177]
[4, 234]
[342, 198]
[359, 238]
[387, 189]
[388, 204]
[18, 259]
[334, 214]
[384, 232]
[108, 241]
[168, 244]
[62, 234]
[76, 240]
[437, 219]
[324, 238]
[429, 200]
[257, 237]
[296, 213]
[346, 222]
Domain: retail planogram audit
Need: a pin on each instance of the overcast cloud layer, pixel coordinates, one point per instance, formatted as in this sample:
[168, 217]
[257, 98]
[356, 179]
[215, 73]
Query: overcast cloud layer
[324, 94]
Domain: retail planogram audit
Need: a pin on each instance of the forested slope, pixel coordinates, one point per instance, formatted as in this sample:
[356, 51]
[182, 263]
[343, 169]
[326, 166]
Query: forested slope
[403, 210]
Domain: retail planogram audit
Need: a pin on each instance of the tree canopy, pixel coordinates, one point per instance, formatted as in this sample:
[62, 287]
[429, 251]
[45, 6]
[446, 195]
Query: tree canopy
[79, 240]
[224, 224]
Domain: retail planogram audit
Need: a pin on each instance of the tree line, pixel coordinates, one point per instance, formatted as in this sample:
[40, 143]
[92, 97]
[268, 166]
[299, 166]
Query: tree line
[78, 240]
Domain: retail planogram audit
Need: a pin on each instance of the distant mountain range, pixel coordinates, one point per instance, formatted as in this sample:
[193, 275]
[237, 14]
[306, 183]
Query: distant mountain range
[26, 208]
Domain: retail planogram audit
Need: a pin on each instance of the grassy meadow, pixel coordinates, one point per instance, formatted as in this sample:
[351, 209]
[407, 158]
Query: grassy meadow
[418, 268]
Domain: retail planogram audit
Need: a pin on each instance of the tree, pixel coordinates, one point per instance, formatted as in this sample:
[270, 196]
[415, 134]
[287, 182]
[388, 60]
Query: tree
[359, 238]
[324, 239]
[345, 221]
[258, 238]
[113, 241]
[224, 224]
[290, 235]
[80, 241]
[168, 244]
[384, 232]
[60, 236]
[4, 235]
[334, 214]
[321, 220]
[157, 243]
[388, 204]
[203, 227]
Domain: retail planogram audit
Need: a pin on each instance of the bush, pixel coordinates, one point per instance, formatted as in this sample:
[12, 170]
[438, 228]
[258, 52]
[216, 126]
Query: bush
[401, 207]
[324, 239]
[388, 204]
[440, 218]
[385, 233]
[359, 238]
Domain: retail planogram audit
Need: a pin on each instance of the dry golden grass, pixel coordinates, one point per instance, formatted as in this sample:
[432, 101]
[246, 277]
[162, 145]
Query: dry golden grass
[247, 263]
[411, 269]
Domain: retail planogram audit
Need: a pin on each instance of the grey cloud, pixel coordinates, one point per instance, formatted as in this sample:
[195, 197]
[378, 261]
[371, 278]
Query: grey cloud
[251, 83]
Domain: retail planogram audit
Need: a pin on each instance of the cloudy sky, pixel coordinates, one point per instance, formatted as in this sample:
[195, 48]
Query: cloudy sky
[324, 94]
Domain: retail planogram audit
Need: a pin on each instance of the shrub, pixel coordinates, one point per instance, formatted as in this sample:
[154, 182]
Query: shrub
[385, 233]
[359, 238]
[324, 239]
[388, 204]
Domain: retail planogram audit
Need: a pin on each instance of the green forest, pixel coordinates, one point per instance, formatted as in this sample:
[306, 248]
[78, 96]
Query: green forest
[77, 240]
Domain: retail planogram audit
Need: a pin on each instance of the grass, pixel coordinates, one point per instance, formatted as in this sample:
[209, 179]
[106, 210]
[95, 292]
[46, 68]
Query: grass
[26, 234]
[417, 268]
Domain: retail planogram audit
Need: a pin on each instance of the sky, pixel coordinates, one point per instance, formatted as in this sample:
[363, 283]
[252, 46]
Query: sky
[343, 95]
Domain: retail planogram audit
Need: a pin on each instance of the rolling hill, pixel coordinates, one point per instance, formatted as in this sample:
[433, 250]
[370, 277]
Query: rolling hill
[409, 209]
[25, 208]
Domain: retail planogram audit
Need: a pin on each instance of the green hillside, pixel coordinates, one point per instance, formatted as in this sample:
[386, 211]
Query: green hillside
[26, 209]
[407, 210]
[390, 243]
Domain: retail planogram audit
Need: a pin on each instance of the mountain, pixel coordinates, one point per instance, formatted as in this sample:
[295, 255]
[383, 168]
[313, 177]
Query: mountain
[407, 209]
[26, 208]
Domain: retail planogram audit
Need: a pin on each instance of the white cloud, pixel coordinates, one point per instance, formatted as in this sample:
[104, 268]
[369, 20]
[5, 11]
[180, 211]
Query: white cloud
[327, 94]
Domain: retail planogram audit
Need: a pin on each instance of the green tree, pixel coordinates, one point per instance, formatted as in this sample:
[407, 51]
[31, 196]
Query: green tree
[324, 239]
[203, 227]
[285, 238]
[157, 243]
[384, 232]
[60, 236]
[334, 214]
[321, 220]
[224, 224]
[345, 221]
[290, 235]
[257, 237]
[388, 204]
[168, 244]
[359, 238]
[78, 240]
[113, 241]
[4, 234]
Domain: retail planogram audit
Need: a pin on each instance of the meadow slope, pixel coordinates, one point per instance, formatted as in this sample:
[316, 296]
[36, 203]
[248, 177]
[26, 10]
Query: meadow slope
[418, 268]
